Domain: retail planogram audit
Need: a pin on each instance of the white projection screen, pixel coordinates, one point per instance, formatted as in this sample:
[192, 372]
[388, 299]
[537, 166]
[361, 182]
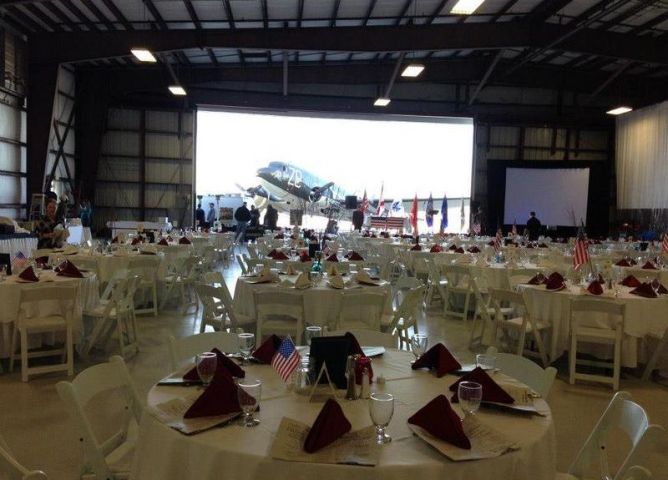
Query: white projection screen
[557, 195]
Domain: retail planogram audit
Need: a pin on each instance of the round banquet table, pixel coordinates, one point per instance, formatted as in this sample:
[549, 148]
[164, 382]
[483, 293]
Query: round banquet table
[235, 452]
[108, 264]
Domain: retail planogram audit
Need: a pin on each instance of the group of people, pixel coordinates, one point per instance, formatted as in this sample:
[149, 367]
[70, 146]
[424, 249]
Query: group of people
[244, 217]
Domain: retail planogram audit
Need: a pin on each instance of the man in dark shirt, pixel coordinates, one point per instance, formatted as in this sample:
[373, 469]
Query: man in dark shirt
[199, 217]
[358, 219]
[533, 225]
[242, 215]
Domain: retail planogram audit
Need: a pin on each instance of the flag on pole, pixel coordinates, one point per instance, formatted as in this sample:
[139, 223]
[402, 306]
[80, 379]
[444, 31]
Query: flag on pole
[381, 202]
[581, 254]
[664, 244]
[497, 240]
[514, 230]
[19, 261]
[365, 202]
[444, 213]
[286, 359]
[414, 216]
[462, 215]
[429, 211]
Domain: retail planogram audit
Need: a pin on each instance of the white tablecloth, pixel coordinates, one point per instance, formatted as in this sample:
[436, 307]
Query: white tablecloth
[108, 264]
[239, 453]
[24, 244]
[78, 234]
[88, 296]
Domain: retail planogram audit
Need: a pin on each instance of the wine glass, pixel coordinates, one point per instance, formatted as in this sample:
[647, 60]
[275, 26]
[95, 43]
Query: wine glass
[312, 331]
[470, 396]
[246, 344]
[206, 367]
[419, 343]
[249, 393]
[381, 408]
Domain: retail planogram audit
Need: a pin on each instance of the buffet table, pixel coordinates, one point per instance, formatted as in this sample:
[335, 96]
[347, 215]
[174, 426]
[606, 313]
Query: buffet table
[235, 452]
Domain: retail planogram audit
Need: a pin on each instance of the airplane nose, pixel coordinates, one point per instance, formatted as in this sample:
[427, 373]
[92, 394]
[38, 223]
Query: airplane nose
[264, 172]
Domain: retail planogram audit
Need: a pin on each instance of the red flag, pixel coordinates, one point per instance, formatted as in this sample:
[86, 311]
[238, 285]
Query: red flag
[414, 216]
[581, 254]
[381, 202]
[365, 202]
[664, 244]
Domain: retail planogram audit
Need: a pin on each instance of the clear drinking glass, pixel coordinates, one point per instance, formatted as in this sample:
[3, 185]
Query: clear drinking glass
[206, 367]
[381, 409]
[419, 344]
[486, 361]
[249, 394]
[312, 331]
[470, 396]
[246, 344]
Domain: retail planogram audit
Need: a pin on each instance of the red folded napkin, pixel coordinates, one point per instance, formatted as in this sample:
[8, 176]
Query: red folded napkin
[163, 241]
[330, 424]
[595, 288]
[332, 258]
[474, 249]
[454, 247]
[649, 266]
[220, 398]
[530, 245]
[644, 290]
[554, 284]
[184, 241]
[490, 243]
[373, 235]
[623, 263]
[68, 269]
[355, 256]
[115, 240]
[630, 281]
[435, 249]
[280, 236]
[662, 290]
[459, 250]
[136, 240]
[366, 235]
[491, 391]
[28, 275]
[266, 351]
[416, 247]
[304, 257]
[438, 418]
[537, 279]
[556, 276]
[225, 365]
[272, 253]
[281, 256]
[438, 357]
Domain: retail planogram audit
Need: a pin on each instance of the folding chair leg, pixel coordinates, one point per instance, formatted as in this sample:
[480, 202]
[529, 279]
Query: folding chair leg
[651, 364]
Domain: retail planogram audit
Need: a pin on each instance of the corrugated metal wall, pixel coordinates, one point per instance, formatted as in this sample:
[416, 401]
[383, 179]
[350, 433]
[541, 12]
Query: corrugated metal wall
[145, 170]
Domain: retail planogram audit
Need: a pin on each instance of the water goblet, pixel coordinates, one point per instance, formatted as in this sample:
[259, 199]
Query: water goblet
[419, 343]
[381, 409]
[486, 361]
[206, 367]
[249, 393]
[312, 331]
[470, 396]
[246, 344]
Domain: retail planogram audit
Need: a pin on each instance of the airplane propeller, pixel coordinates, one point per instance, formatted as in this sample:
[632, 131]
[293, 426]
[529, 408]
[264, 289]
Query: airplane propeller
[316, 192]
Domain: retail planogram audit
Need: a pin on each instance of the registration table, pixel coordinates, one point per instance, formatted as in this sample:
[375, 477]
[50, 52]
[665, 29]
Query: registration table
[235, 452]
[10, 292]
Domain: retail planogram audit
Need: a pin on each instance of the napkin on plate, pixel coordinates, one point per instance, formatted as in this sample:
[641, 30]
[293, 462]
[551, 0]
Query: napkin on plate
[440, 420]
[220, 398]
[115, 240]
[554, 284]
[644, 290]
[355, 256]
[333, 270]
[453, 247]
[184, 241]
[302, 281]
[363, 277]
[336, 281]
[330, 425]
[416, 247]
[435, 248]
[556, 276]
[281, 256]
[304, 257]
[290, 270]
[225, 365]
[279, 236]
[332, 258]
[68, 269]
[630, 281]
[649, 266]
[28, 275]
[163, 242]
[272, 253]
[136, 240]
[267, 350]
[623, 263]
[438, 357]
[595, 288]
[459, 250]
[474, 249]
[491, 391]
[537, 279]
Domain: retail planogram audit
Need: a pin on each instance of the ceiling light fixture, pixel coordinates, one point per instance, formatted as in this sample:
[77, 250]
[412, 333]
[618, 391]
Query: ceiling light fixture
[177, 90]
[466, 7]
[382, 102]
[143, 55]
[412, 70]
[619, 110]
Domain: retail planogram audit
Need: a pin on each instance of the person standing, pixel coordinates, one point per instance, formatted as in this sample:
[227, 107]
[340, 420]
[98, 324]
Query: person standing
[271, 217]
[242, 215]
[200, 218]
[255, 217]
[211, 215]
[358, 219]
[533, 225]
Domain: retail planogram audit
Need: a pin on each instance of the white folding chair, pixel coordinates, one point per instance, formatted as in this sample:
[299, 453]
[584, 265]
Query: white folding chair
[45, 309]
[596, 321]
[232, 320]
[519, 326]
[102, 400]
[184, 278]
[242, 265]
[653, 441]
[621, 415]
[459, 284]
[147, 269]
[367, 337]
[436, 282]
[405, 316]
[214, 313]
[279, 312]
[363, 309]
[184, 348]
[11, 469]
[525, 370]
[661, 340]
[403, 284]
[484, 312]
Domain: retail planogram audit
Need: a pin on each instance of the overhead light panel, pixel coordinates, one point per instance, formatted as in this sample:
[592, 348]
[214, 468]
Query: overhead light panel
[412, 70]
[466, 7]
[382, 102]
[143, 55]
[619, 110]
[177, 90]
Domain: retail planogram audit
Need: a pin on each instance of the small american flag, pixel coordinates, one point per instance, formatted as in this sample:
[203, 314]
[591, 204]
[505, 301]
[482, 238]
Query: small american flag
[664, 244]
[19, 261]
[497, 240]
[581, 255]
[365, 202]
[286, 359]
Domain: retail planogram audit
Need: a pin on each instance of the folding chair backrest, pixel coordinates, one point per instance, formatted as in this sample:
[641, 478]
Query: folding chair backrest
[361, 307]
[213, 278]
[531, 374]
[120, 274]
[368, 337]
[653, 440]
[187, 347]
[31, 299]
[11, 469]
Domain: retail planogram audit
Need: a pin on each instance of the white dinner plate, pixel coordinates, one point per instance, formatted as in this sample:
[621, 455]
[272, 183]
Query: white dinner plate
[373, 351]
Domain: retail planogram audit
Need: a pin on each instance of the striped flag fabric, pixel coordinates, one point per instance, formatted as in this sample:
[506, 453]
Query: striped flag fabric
[365, 202]
[581, 254]
[514, 230]
[286, 359]
[19, 261]
[664, 244]
[414, 216]
[497, 240]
